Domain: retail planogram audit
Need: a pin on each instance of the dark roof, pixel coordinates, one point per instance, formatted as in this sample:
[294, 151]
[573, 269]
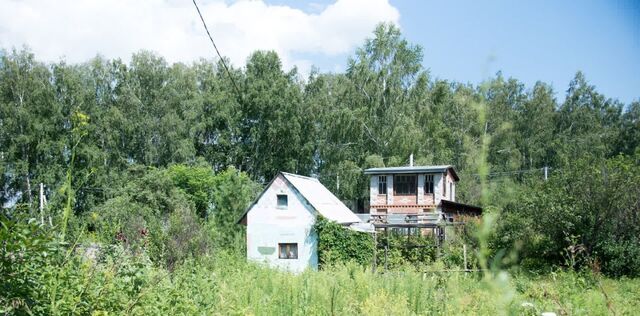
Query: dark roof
[460, 207]
[413, 169]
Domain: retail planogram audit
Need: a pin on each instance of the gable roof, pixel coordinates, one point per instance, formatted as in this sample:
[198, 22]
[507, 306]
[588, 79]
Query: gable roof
[318, 196]
[413, 169]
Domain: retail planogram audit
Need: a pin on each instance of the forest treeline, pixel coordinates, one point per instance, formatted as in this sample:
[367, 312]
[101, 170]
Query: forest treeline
[120, 144]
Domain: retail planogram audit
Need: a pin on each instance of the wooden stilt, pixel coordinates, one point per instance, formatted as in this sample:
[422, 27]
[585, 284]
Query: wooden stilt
[386, 249]
[375, 250]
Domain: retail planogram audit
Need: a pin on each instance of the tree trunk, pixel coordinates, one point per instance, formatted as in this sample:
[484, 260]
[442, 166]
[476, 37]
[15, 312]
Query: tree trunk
[29, 190]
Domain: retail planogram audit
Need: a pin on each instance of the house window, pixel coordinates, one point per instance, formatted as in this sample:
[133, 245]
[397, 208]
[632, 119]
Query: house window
[382, 184]
[428, 184]
[288, 251]
[405, 184]
[282, 201]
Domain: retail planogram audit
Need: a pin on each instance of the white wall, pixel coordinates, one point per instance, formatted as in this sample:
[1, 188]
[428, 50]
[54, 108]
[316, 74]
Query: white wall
[373, 190]
[390, 192]
[453, 191]
[438, 179]
[442, 180]
[268, 225]
[420, 188]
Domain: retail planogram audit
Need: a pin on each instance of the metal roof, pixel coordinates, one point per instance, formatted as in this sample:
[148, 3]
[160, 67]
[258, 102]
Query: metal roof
[318, 196]
[321, 199]
[413, 169]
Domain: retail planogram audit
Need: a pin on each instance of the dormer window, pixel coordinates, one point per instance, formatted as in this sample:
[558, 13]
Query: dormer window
[382, 184]
[283, 201]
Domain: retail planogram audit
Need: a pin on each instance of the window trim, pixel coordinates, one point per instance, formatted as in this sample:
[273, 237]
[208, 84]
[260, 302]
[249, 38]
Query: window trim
[286, 199]
[286, 245]
[415, 184]
[380, 183]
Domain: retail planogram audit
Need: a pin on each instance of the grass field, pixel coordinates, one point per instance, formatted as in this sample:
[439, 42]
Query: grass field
[248, 289]
[226, 285]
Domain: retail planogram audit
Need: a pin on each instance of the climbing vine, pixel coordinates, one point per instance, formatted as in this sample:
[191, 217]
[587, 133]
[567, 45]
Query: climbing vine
[337, 244]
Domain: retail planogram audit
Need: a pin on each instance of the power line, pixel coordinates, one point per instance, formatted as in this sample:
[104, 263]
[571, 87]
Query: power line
[217, 51]
[506, 173]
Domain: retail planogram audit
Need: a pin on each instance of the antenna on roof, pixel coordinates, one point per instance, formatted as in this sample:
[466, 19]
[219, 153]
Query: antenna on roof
[411, 160]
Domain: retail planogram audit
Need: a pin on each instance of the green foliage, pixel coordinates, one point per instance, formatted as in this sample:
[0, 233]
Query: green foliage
[141, 217]
[155, 212]
[186, 238]
[233, 192]
[42, 276]
[584, 216]
[383, 108]
[337, 244]
[153, 163]
[226, 284]
[197, 182]
[415, 250]
[25, 248]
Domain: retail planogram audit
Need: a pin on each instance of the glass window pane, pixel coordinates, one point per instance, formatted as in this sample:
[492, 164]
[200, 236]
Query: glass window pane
[282, 200]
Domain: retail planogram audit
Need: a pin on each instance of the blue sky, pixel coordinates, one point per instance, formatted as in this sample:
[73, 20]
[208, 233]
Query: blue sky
[549, 41]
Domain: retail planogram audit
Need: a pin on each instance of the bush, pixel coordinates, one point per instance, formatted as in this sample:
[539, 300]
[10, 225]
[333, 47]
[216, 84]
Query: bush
[583, 217]
[151, 216]
[186, 237]
[337, 244]
[25, 248]
[197, 182]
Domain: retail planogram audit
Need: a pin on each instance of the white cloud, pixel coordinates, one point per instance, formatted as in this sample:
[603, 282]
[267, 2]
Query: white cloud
[78, 30]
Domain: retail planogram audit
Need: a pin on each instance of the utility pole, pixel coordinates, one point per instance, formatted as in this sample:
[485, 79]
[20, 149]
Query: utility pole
[411, 160]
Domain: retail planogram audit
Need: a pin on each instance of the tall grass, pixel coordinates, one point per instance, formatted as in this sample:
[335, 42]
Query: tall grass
[230, 286]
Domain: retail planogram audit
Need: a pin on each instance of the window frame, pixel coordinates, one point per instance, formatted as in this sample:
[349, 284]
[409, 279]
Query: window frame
[410, 184]
[380, 185]
[429, 184]
[285, 246]
[286, 200]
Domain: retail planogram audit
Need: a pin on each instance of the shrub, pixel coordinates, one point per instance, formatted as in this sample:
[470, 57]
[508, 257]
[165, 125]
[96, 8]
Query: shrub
[25, 248]
[586, 214]
[337, 244]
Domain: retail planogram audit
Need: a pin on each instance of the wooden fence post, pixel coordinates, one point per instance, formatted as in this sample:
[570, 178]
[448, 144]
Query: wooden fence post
[375, 249]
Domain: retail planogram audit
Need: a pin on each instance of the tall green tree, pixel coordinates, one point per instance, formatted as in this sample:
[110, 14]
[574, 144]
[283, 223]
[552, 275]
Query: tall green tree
[273, 120]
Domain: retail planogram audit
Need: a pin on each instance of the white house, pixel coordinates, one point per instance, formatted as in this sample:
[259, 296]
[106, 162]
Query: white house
[280, 221]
